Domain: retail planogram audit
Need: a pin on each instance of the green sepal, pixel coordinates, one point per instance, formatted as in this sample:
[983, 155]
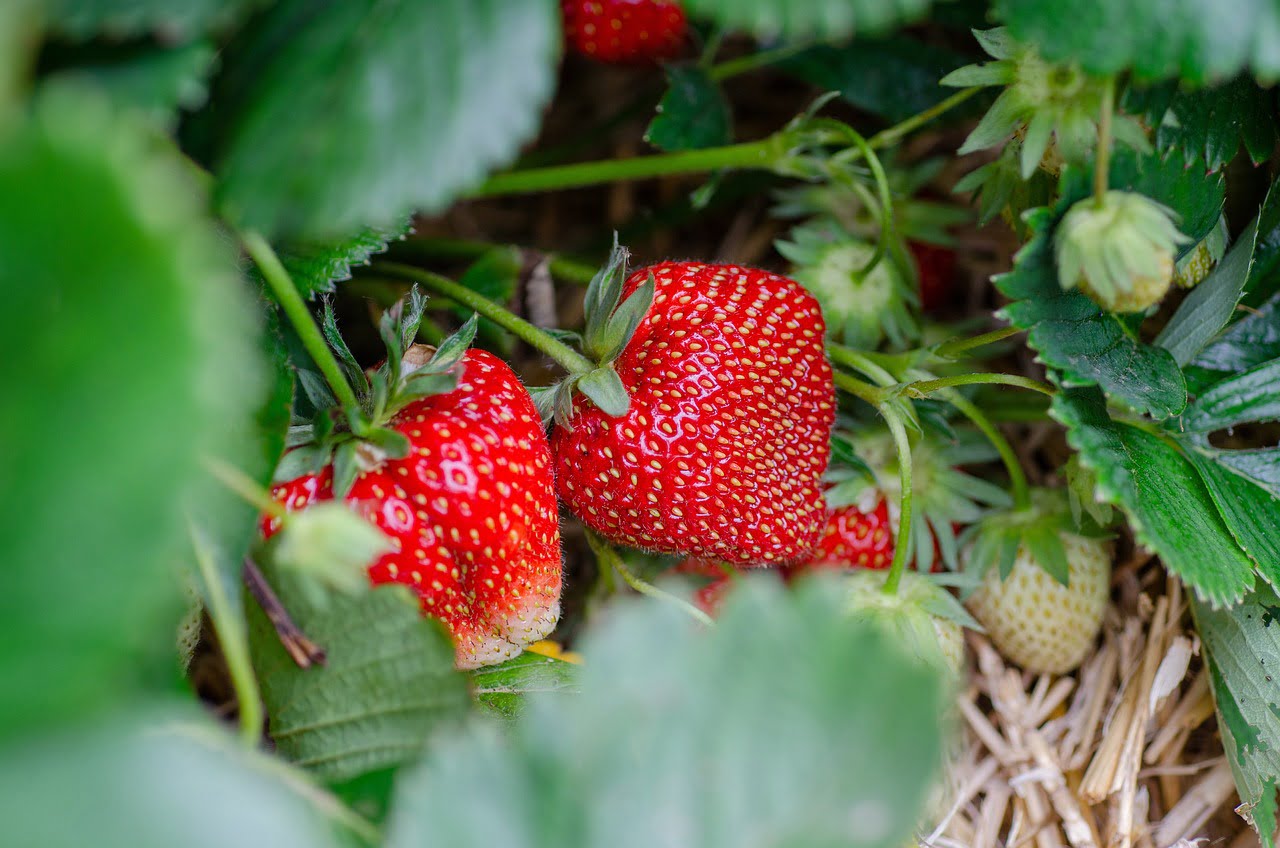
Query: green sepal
[453, 348]
[544, 400]
[399, 327]
[316, 390]
[604, 388]
[392, 443]
[350, 367]
[601, 299]
[996, 539]
[622, 325]
[299, 434]
[346, 467]
[418, 385]
[308, 459]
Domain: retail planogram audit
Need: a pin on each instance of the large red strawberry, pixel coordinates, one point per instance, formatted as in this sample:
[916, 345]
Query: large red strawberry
[469, 507]
[722, 448]
[624, 31]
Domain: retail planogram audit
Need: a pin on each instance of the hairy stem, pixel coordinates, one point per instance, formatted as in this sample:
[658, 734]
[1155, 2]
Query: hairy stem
[891, 135]
[859, 361]
[567, 357]
[1102, 164]
[952, 349]
[610, 559]
[902, 546]
[1017, 477]
[859, 388]
[924, 388]
[295, 309]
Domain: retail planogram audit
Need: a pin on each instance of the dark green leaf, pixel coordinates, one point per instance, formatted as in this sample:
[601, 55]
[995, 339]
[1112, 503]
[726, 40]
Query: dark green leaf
[175, 19]
[692, 114]
[1261, 466]
[147, 781]
[1251, 396]
[648, 754]
[1242, 645]
[316, 266]
[1168, 506]
[387, 683]
[1250, 512]
[430, 98]
[134, 354]
[1197, 40]
[1248, 343]
[809, 18]
[157, 81]
[504, 690]
[894, 77]
[1209, 124]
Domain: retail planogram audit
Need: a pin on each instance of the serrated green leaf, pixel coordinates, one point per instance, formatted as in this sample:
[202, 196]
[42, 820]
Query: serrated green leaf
[1168, 506]
[820, 19]
[692, 114]
[431, 97]
[503, 690]
[175, 19]
[1198, 40]
[1210, 124]
[316, 266]
[1250, 512]
[1248, 343]
[157, 81]
[1251, 396]
[156, 778]
[1242, 645]
[1261, 466]
[687, 771]
[388, 680]
[133, 354]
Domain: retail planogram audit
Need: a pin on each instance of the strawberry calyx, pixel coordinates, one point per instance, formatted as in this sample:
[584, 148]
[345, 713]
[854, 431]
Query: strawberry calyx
[359, 440]
[995, 540]
[1119, 249]
[611, 321]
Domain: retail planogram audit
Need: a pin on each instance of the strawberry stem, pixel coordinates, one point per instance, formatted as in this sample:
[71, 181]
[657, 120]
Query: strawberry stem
[923, 388]
[1017, 477]
[568, 270]
[955, 347]
[753, 61]
[858, 361]
[1102, 165]
[295, 308]
[609, 559]
[567, 357]
[902, 547]
[859, 388]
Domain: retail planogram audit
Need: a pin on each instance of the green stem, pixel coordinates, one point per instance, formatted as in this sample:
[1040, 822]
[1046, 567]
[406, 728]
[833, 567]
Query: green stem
[295, 308]
[859, 389]
[1017, 477]
[902, 548]
[569, 270]
[924, 388]
[610, 559]
[1102, 165]
[244, 486]
[890, 136]
[952, 349]
[754, 154]
[569, 359]
[754, 61]
[235, 646]
[858, 361]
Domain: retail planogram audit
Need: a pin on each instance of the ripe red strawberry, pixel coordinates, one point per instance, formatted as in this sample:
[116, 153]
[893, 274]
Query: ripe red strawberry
[854, 538]
[936, 266]
[624, 31]
[722, 449]
[470, 511]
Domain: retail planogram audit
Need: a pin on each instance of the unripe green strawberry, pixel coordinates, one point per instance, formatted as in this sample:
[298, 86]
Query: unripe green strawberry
[1035, 621]
[910, 614]
[1118, 250]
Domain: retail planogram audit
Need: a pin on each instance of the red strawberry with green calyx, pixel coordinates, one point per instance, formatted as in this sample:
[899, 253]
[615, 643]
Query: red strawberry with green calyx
[624, 31]
[722, 448]
[454, 466]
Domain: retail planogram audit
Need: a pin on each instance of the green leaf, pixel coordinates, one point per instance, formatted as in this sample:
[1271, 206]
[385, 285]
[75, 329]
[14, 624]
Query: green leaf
[894, 77]
[1248, 343]
[431, 97]
[316, 266]
[1249, 512]
[148, 781]
[157, 81]
[820, 19]
[138, 356]
[692, 114]
[388, 681]
[666, 745]
[1082, 343]
[1242, 645]
[1251, 396]
[1260, 466]
[1197, 40]
[504, 690]
[1210, 124]
[175, 19]
[1169, 508]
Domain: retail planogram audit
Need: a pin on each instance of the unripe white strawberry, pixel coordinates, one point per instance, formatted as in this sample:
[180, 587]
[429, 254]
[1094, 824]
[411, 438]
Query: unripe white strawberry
[1034, 620]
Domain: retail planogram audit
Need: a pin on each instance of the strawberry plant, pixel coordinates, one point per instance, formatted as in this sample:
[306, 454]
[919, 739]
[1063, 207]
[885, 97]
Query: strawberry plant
[655, 422]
